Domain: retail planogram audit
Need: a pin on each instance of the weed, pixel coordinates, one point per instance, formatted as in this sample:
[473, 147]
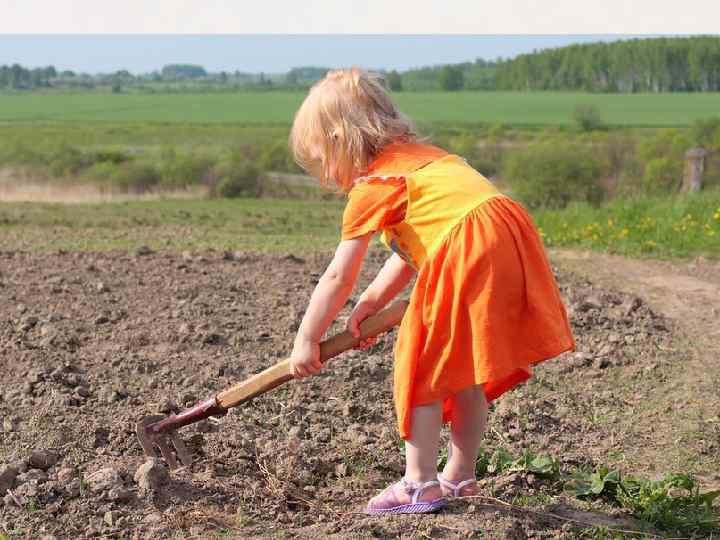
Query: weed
[32, 506]
[673, 503]
[601, 532]
[501, 461]
[538, 499]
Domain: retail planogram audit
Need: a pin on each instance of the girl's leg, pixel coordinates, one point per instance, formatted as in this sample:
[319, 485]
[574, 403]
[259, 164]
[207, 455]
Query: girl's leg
[421, 450]
[468, 419]
[420, 461]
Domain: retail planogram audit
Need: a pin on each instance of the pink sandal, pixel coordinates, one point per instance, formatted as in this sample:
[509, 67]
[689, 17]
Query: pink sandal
[388, 503]
[451, 489]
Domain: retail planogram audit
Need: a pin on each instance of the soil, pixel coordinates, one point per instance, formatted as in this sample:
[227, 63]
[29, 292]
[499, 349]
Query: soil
[90, 343]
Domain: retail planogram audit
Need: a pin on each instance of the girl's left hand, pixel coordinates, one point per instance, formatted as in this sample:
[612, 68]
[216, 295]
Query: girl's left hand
[305, 358]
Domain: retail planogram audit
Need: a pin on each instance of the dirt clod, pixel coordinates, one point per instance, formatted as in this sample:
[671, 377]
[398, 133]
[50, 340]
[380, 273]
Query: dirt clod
[151, 475]
[8, 474]
[43, 459]
[104, 479]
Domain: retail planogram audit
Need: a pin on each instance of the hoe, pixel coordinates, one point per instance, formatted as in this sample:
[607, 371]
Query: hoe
[159, 432]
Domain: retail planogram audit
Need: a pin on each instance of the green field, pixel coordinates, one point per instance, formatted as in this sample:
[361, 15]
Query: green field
[224, 224]
[663, 227]
[277, 108]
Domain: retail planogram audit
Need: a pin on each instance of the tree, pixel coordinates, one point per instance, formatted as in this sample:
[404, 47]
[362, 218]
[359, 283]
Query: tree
[174, 72]
[451, 78]
[394, 81]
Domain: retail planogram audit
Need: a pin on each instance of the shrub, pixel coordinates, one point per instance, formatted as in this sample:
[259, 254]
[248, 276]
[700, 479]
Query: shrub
[102, 172]
[135, 177]
[111, 156]
[662, 175]
[274, 157]
[182, 169]
[706, 132]
[587, 117]
[236, 176]
[669, 142]
[551, 175]
[486, 158]
[663, 158]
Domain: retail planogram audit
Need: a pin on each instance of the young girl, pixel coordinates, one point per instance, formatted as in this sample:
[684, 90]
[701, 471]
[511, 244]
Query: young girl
[485, 306]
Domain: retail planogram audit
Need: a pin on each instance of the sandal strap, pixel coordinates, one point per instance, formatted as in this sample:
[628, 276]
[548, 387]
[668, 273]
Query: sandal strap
[417, 489]
[453, 486]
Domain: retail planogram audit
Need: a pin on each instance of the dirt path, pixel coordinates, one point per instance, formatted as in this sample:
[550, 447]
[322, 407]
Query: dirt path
[683, 412]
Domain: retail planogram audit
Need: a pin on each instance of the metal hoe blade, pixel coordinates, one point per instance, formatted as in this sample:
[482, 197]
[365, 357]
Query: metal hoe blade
[169, 443]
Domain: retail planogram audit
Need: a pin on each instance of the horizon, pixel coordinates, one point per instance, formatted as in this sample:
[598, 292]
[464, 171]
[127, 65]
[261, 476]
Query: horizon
[140, 54]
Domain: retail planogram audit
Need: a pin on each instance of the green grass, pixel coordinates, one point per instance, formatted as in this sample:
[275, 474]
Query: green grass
[278, 108]
[231, 224]
[661, 226]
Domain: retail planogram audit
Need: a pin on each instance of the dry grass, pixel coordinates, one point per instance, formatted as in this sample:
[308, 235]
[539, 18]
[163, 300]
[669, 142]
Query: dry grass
[21, 187]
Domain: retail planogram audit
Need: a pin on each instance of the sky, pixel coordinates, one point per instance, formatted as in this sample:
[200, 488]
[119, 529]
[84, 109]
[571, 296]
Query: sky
[269, 53]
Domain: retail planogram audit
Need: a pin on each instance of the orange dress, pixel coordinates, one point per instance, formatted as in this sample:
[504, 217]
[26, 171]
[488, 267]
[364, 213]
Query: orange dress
[485, 306]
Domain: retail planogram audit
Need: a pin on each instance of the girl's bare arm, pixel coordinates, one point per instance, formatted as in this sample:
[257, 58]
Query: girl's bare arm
[392, 278]
[328, 298]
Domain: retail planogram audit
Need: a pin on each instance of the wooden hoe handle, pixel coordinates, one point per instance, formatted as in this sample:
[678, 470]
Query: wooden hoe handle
[339, 343]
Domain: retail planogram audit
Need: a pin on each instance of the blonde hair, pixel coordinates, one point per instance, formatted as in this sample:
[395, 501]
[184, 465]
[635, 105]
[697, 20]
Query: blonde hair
[344, 122]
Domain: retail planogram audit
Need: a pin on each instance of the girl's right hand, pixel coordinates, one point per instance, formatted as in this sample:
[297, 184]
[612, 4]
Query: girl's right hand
[363, 309]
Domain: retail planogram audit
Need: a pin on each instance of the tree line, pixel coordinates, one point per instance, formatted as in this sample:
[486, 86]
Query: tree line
[667, 64]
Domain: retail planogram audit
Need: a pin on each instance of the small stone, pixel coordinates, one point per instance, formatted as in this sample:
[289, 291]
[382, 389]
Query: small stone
[296, 432]
[151, 475]
[111, 518]
[104, 479]
[143, 250]
[28, 323]
[155, 517]
[167, 406]
[630, 305]
[21, 465]
[120, 494]
[109, 395]
[73, 488]
[43, 459]
[8, 474]
[349, 409]
[101, 287]
[102, 319]
[185, 328]
[187, 256]
[65, 475]
[27, 489]
[9, 425]
[83, 391]
[33, 475]
[214, 339]
[602, 363]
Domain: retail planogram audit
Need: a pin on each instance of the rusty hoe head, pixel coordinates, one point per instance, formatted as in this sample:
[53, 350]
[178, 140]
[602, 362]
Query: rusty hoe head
[158, 432]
